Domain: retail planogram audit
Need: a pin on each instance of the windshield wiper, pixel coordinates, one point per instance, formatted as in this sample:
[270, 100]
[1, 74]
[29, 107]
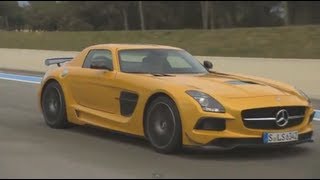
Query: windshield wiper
[133, 72]
[161, 74]
[154, 74]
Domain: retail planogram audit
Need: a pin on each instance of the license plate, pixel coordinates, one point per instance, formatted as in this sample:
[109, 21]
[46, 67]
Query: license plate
[280, 137]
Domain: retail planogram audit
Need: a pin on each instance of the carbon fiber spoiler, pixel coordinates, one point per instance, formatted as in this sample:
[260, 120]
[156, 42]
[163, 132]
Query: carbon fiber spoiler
[57, 61]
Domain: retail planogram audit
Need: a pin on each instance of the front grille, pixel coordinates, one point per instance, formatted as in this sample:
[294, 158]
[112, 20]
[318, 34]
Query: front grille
[265, 118]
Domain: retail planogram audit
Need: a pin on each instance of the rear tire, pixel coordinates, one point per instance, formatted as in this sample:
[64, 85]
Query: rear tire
[163, 126]
[54, 107]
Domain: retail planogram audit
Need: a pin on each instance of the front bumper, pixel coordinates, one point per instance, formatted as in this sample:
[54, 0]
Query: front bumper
[230, 143]
[236, 133]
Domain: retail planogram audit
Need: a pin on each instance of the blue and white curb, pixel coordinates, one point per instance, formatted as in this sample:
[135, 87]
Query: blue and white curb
[37, 80]
[21, 78]
[317, 115]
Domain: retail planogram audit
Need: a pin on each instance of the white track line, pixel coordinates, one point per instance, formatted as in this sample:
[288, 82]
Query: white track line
[12, 79]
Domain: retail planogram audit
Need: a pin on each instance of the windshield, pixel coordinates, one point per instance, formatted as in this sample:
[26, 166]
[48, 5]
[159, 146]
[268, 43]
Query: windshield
[162, 61]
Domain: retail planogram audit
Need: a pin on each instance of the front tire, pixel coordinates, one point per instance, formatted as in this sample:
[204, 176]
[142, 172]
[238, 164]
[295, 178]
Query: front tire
[163, 125]
[54, 107]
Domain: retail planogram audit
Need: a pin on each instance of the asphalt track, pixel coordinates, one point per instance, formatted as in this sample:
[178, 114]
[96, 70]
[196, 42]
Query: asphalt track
[30, 149]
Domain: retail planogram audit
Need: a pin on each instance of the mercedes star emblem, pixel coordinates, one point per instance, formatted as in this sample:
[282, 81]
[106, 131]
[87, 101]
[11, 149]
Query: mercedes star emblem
[282, 118]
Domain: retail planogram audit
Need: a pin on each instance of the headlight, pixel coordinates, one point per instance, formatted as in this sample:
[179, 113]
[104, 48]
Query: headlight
[206, 102]
[304, 95]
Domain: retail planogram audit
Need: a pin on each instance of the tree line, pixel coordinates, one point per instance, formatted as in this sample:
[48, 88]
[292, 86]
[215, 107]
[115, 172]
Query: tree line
[151, 15]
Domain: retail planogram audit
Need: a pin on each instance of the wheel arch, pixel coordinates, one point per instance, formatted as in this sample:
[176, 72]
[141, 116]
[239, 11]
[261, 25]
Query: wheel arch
[46, 83]
[151, 98]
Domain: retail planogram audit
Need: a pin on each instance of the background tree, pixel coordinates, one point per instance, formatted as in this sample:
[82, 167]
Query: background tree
[138, 15]
[141, 13]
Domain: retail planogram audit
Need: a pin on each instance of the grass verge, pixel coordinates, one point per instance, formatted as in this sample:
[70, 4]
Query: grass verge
[275, 42]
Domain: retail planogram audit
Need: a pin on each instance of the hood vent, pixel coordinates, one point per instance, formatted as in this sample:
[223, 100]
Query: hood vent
[239, 82]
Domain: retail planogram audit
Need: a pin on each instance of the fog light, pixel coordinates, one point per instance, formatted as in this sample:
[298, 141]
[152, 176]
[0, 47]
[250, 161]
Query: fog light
[214, 124]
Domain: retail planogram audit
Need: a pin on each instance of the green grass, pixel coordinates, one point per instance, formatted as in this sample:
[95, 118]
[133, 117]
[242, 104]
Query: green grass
[278, 42]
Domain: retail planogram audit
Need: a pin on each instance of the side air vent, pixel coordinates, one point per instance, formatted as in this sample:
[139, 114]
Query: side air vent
[128, 102]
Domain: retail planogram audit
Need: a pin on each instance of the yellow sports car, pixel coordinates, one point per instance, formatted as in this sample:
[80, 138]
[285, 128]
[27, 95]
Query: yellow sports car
[164, 94]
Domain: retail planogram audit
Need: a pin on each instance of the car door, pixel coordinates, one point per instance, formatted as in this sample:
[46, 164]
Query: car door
[92, 85]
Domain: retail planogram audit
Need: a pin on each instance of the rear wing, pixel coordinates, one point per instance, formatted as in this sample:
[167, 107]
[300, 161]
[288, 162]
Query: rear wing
[57, 61]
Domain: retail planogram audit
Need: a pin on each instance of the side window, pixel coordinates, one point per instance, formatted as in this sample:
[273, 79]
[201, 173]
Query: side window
[101, 57]
[178, 62]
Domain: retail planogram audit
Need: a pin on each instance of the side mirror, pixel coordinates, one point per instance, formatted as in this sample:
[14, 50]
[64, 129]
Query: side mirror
[207, 64]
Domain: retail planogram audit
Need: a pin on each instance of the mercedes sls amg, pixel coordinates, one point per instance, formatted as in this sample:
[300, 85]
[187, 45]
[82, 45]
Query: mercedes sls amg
[166, 95]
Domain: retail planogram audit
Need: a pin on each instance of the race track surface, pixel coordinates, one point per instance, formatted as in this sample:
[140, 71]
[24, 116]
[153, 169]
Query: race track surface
[30, 149]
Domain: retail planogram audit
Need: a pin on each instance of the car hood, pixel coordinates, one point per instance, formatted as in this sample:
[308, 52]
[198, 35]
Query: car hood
[231, 85]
